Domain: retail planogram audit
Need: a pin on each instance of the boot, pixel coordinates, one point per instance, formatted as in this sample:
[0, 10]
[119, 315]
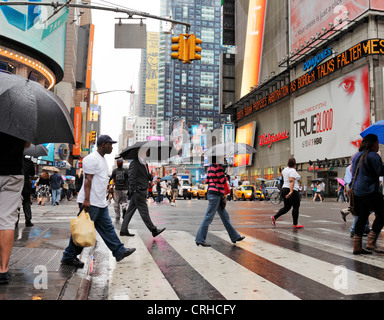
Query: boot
[358, 245]
[371, 242]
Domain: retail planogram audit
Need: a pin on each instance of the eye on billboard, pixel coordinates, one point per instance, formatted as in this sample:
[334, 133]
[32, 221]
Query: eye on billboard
[24, 24]
[309, 17]
[328, 120]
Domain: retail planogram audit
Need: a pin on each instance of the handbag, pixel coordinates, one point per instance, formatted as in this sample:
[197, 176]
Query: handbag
[352, 204]
[83, 230]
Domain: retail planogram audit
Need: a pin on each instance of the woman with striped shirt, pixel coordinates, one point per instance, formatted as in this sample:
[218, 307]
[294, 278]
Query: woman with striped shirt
[216, 180]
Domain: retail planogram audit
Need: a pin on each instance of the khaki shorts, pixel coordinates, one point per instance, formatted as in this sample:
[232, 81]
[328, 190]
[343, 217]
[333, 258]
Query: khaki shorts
[175, 192]
[10, 199]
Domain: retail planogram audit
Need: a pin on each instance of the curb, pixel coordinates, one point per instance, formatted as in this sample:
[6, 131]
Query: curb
[78, 285]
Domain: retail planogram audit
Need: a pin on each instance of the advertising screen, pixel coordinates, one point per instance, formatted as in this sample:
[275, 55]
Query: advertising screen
[307, 17]
[377, 5]
[328, 121]
[245, 134]
[25, 24]
[253, 45]
[151, 68]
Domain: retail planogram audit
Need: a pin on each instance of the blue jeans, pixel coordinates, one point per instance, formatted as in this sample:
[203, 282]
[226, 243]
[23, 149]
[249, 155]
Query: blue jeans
[56, 193]
[105, 228]
[213, 206]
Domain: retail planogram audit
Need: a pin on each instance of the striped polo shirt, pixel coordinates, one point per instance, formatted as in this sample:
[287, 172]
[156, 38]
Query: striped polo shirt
[216, 179]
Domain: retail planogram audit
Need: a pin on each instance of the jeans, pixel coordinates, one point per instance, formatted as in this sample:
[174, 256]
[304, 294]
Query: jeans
[105, 228]
[364, 206]
[213, 206]
[56, 193]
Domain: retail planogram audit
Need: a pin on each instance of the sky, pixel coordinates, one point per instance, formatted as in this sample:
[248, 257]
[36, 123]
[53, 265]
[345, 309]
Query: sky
[117, 69]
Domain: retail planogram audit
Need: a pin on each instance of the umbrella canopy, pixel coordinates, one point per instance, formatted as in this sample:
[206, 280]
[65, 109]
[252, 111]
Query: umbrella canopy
[341, 181]
[36, 151]
[377, 128]
[30, 112]
[50, 168]
[229, 149]
[166, 178]
[150, 150]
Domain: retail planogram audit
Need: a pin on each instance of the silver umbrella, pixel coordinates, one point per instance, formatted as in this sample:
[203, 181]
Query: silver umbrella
[36, 151]
[229, 149]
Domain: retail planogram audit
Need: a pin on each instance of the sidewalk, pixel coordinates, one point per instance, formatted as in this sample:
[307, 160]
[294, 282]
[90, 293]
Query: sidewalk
[35, 268]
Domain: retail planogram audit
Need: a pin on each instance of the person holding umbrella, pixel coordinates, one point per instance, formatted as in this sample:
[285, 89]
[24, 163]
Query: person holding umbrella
[11, 185]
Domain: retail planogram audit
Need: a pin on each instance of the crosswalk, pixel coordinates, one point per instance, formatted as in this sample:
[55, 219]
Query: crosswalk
[270, 264]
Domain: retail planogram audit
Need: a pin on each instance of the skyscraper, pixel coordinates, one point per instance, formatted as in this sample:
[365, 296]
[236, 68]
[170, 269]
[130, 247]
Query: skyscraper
[190, 91]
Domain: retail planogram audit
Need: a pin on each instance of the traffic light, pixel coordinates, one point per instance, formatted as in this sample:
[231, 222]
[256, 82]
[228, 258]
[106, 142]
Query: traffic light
[193, 48]
[178, 49]
[92, 136]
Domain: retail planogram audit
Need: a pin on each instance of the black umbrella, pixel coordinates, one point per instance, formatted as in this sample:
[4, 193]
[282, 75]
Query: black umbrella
[30, 112]
[150, 151]
[36, 151]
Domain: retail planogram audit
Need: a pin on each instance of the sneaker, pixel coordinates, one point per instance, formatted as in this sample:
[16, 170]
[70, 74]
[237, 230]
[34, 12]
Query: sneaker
[273, 221]
[297, 226]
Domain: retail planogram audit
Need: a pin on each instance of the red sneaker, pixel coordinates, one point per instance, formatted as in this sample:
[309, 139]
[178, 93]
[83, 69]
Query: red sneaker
[297, 226]
[273, 221]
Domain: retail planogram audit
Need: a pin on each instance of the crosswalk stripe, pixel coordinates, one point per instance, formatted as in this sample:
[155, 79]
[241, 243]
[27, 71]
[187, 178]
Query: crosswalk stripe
[332, 246]
[315, 269]
[234, 281]
[138, 277]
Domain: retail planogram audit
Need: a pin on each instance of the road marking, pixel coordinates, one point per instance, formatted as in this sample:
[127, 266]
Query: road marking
[314, 269]
[138, 277]
[231, 279]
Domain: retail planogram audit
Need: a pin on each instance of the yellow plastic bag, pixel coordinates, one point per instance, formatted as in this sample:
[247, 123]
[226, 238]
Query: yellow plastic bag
[83, 230]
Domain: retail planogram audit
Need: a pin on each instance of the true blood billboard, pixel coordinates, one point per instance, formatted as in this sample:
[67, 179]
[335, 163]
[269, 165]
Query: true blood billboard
[328, 120]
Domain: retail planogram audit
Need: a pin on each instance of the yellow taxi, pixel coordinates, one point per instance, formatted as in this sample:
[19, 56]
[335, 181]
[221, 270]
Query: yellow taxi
[202, 191]
[247, 192]
[194, 191]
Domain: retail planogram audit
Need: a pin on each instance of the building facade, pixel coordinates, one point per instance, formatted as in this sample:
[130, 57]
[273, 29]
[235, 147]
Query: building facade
[313, 83]
[190, 91]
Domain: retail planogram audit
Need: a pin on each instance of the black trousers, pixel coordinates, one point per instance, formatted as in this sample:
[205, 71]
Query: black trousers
[364, 206]
[292, 201]
[27, 206]
[138, 201]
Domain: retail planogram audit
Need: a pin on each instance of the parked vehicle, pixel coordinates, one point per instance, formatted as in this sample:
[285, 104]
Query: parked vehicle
[202, 191]
[247, 192]
[271, 186]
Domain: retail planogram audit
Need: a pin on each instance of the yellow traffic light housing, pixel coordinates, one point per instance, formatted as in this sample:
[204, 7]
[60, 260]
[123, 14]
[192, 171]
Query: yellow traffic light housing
[92, 136]
[178, 49]
[193, 48]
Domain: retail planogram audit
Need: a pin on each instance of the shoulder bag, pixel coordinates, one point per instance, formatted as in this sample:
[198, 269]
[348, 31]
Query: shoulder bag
[352, 205]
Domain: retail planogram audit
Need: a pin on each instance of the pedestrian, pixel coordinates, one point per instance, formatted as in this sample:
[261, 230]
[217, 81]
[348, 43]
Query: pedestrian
[368, 167]
[345, 212]
[318, 190]
[158, 190]
[42, 185]
[138, 179]
[234, 185]
[11, 185]
[92, 199]
[29, 171]
[290, 194]
[56, 182]
[119, 178]
[175, 184]
[340, 193]
[79, 180]
[216, 180]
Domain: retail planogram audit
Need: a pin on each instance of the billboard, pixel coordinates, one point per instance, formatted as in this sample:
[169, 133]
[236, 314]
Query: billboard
[377, 5]
[308, 17]
[152, 68]
[25, 25]
[328, 120]
[245, 134]
[253, 45]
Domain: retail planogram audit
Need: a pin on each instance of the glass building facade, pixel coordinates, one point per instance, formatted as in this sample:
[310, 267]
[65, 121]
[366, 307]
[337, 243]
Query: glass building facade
[191, 91]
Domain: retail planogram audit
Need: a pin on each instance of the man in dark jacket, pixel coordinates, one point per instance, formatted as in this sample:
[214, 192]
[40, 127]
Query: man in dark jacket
[138, 180]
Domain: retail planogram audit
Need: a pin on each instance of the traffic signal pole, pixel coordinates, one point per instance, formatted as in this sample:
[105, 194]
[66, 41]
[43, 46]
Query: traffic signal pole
[58, 6]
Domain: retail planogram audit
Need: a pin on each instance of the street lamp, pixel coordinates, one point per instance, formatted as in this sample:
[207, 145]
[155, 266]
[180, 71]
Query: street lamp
[128, 91]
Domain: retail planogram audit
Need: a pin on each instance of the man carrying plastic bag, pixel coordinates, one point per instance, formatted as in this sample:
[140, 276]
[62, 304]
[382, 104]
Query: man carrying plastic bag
[92, 199]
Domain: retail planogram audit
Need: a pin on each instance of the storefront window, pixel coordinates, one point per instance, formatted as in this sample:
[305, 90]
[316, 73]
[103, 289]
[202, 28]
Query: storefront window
[269, 173]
